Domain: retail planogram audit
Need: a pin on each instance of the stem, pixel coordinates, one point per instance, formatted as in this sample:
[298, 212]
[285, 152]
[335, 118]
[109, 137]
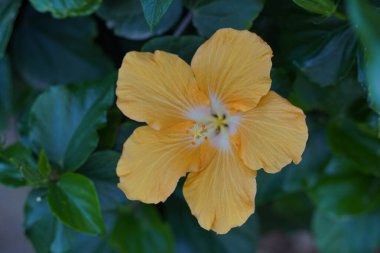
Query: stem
[183, 25]
[340, 15]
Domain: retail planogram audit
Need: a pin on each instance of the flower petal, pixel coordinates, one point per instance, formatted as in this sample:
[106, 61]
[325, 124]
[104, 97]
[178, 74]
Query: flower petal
[153, 161]
[272, 134]
[221, 195]
[157, 88]
[235, 67]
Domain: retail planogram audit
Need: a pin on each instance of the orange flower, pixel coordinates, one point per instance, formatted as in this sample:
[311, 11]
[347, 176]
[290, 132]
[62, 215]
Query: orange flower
[216, 119]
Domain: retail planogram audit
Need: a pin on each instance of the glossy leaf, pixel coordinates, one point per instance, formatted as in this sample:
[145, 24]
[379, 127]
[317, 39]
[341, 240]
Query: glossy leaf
[6, 92]
[330, 58]
[323, 7]
[366, 20]
[63, 9]
[64, 119]
[46, 51]
[347, 234]
[101, 169]
[218, 14]
[154, 10]
[343, 191]
[142, 231]
[8, 14]
[190, 237]
[74, 201]
[184, 46]
[13, 161]
[359, 145]
[127, 19]
[44, 166]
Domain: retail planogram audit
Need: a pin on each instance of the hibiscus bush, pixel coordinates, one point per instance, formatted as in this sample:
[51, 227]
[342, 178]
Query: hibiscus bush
[58, 74]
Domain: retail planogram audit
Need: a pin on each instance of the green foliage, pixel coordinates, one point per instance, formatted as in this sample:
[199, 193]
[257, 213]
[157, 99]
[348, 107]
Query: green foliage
[71, 138]
[223, 13]
[8, 14]
[366, 20]
[323, 7]
[154, 10]
[57, 83]
[126, 18]
[74, 201]
[63, 9]
[145, 228]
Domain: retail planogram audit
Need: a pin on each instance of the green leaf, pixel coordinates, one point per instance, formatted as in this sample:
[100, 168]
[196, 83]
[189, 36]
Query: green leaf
[44, 166]
[343, 191]
[74, 201]
[154, 10]
[13, 160]
[46, 51]
[8, 14]
[366, 20]
[6, 92]
[333, 100]
[323, 7]
[63, 9]
[191, 4]
[184, 46]
[357, 144]
[40, 223]
[142, 231]
[346, 234]
[330, 57]
[101, 169]
[218, 14]
[127, 19]
[64, 121]
[190, 237]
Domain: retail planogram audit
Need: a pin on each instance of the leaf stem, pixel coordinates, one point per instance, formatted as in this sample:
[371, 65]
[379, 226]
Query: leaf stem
[183, 25]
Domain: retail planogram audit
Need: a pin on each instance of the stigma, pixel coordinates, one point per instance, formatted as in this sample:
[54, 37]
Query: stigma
[214, 123]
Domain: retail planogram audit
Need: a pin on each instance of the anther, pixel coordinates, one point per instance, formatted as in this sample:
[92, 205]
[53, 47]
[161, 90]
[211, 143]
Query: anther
[193, 142]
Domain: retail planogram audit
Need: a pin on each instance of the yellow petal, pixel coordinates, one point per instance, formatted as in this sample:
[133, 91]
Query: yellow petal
[153, 161]
[221, 195]
[156, 88]
[235, 67]
[272, 134]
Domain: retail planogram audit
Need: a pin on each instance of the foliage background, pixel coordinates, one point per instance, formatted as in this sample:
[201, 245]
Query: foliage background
[57, 78]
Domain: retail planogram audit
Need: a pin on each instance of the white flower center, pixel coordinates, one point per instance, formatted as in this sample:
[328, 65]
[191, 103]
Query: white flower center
[214, 124]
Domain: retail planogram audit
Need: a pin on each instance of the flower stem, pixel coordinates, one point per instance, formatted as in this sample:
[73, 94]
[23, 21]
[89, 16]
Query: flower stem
[183, 25]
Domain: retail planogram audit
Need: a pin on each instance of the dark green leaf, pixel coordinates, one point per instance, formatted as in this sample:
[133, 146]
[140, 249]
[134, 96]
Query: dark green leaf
[323, 7]
[333, 100]
[8, 13]
[190, 237]
[44, 166]
[330, 58]
[154, 10]
[346, 234]
[64, 120]
[343, 191]
[6, 92]
[191, 4]
[124, 132]
[74, 201]
[142, 231]
[63, 9]
[184, 46]
[101, 169]
[357, 144]
[366, 20]
[13, 160]
[126, 18]
[46, 51]
[224, 13]
[40, 223]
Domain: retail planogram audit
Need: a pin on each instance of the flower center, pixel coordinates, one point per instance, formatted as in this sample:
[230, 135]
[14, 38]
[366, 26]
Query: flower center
[212, 123]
